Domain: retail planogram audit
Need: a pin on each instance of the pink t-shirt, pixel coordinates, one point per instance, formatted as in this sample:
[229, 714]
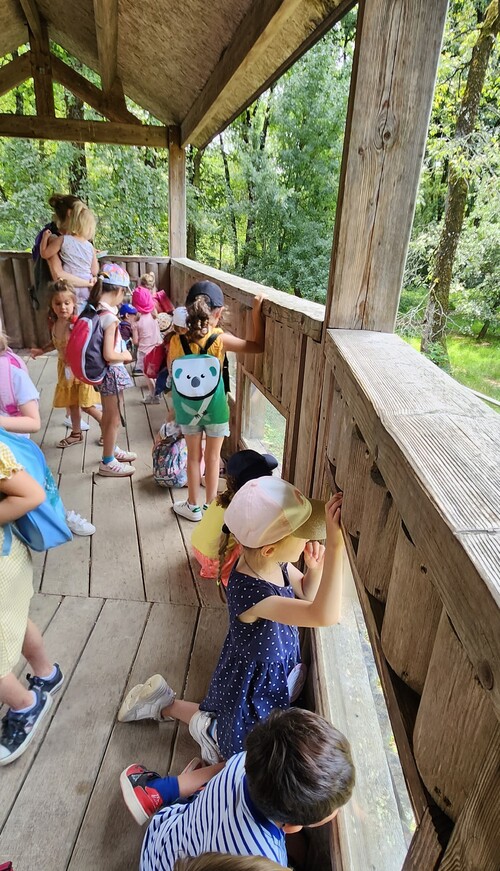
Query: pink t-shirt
[148, 333]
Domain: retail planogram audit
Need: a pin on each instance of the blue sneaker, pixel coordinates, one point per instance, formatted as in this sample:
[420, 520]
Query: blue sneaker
[44, 684]
[18, 730]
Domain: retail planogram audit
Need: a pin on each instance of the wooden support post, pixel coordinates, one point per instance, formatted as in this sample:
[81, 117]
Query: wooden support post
[42, 71]
[176, 194]
[67, 130]
[397, 50]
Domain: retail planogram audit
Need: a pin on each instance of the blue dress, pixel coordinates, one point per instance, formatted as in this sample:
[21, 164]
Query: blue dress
[251, 676]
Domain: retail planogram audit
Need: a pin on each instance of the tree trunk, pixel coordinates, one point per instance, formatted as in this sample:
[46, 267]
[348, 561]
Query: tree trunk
[434, 328]
[18, 93]
[230, 197]
[77, 171]
[194, 178]
[482, 332]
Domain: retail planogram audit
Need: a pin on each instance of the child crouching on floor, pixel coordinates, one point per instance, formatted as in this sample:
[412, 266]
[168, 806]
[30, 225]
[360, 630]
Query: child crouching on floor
[297, 771]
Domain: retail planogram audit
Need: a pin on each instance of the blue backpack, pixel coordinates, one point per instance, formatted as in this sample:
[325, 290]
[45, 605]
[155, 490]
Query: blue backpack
[45, 526]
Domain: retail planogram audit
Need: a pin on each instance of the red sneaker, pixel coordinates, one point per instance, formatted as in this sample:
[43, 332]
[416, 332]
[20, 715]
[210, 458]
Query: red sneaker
[142, 800]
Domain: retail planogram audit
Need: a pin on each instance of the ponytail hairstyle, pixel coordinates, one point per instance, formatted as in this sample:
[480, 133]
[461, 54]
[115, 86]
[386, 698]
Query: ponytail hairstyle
[226, 862]
[148, 281]
[60, 286]
[62, 203]
[111, 279]
[81, 221]
[223, 500]
[198, 318]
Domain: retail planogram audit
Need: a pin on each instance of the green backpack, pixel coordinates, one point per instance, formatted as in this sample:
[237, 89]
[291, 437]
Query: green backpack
[198, 387]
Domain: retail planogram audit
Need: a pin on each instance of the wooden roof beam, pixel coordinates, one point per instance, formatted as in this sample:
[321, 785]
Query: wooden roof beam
[33, 18]
[67, 130]
[41, 69]
[89, 93]
[15, 72]
[265, 16]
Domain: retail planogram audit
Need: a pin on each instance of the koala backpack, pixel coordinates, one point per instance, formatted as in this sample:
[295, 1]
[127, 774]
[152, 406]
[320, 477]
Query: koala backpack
[198, 387]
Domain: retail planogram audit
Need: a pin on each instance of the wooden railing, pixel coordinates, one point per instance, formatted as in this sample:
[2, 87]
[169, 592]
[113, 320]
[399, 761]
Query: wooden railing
[25, 323]
[416, 456]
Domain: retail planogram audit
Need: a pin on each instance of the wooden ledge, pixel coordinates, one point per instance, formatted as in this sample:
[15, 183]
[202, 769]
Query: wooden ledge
[436, 447]
[301, 315]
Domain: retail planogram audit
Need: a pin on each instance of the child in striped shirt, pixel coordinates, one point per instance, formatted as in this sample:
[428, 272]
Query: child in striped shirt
[297, 771]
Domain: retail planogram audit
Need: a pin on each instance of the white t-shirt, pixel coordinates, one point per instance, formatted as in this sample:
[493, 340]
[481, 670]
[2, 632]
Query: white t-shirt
[23, 389]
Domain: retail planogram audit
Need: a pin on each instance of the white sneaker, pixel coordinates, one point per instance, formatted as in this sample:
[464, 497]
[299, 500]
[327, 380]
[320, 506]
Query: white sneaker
[79, 525]
[83, 425]
[151, 399]
[124, 456]
[146, 700]
[114, 469]
[199, 725]
[184, 509]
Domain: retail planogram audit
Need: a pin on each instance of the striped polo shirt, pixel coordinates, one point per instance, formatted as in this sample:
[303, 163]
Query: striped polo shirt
[221, 818]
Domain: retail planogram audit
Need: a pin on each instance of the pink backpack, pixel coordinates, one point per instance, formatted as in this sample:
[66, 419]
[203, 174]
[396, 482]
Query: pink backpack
[163, 303]
[8, 399]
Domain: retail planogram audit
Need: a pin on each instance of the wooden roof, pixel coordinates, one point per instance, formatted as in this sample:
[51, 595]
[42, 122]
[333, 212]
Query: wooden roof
[192, 64]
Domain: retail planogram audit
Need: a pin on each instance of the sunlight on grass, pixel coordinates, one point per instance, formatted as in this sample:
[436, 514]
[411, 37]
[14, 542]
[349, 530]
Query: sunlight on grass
[475, 364]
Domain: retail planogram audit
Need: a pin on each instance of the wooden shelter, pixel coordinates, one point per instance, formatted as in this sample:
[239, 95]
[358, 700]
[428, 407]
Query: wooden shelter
[415, 454]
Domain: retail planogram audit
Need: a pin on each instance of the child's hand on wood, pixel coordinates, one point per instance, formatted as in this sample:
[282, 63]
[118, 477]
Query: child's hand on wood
[332, 511]
[257, 303]
[314, 554]
[36, 352]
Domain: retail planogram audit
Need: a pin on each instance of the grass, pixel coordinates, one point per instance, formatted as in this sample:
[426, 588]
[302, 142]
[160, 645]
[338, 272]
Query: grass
[475, 364]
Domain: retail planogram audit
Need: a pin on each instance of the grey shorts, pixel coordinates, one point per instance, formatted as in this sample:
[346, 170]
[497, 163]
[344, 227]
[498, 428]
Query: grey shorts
[212, 430]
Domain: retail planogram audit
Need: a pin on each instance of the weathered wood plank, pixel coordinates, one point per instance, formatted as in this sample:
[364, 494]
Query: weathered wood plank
[210, 634]
[394, 70]
[117, 548]
[109, 838]
[475, 840]
[454, 726]
[15, 72]
[412, 615]
[176, 194]
[436, 446]
[8, 298]
[378, 536]
[67, 568]
[301, 315]
[25, 309]
[65, 130]
[425, 849]
[32, 834]
[308, 419]
[167, 577]
[66, 637]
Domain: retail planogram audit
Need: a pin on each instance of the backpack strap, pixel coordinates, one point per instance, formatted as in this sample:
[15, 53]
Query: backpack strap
[208, 344]
[185, 346]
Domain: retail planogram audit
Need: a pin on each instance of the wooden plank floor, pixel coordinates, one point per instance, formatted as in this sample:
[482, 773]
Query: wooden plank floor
[114, 609]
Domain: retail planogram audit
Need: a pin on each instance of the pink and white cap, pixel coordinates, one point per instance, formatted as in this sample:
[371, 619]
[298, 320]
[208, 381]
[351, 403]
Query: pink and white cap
[267, 509]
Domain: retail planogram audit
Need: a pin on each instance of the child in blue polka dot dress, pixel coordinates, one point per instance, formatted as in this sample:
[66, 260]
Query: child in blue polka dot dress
[268, 598]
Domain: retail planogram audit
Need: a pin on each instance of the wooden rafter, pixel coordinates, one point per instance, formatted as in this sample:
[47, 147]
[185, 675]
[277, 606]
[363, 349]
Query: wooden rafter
[15, 72]
[32, 16]
[66, 130]
[89, 93]
[106, 29]
[41, 69]
[263, 16]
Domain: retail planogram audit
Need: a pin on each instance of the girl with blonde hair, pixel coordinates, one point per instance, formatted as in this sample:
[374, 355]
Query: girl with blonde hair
[75, 249]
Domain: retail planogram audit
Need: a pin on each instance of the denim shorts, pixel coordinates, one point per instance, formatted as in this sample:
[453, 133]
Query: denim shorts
[212, 430]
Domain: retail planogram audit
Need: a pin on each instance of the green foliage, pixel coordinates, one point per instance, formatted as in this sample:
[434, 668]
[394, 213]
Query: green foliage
[475, 285]
[126, 187]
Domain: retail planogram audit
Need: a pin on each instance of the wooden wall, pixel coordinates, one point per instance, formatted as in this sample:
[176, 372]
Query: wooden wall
[293, 346]
[27, 326]
[416, 455]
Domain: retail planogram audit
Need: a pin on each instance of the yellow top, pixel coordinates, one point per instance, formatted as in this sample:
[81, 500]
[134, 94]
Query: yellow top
[216, 349]
[206, 534]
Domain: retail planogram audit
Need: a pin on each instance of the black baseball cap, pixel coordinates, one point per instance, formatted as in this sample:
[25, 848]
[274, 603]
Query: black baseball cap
[206, 288]
[246, 465]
